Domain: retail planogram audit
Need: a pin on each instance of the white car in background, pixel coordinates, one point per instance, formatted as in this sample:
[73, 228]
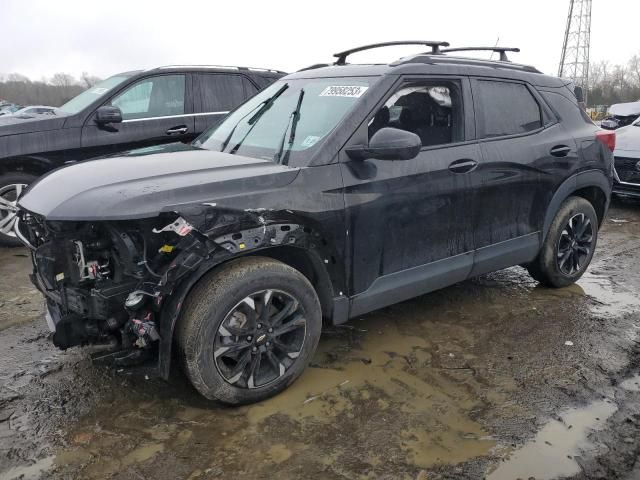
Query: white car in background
[627, 160]
[34, 110]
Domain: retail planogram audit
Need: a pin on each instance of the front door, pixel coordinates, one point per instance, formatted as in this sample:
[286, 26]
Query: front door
[154, 111]
[410, 222]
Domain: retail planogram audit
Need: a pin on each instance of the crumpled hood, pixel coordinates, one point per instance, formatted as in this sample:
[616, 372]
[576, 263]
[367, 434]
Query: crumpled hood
[11, 125]
[628, 139]
[143, 184]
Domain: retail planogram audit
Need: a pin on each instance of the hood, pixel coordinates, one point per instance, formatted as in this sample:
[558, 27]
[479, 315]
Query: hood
[13, 125]
[625, 109]
[147, 182]
[628, 139]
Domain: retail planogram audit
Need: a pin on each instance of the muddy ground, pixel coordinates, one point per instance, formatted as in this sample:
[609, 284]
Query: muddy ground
[496, 377]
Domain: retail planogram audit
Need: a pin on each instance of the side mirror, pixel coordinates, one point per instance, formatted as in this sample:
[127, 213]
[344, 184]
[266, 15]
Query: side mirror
[108, 114]
[388, 144]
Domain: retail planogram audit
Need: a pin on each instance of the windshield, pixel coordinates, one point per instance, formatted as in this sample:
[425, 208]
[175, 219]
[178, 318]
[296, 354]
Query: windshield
[311, 107]
[87, 97]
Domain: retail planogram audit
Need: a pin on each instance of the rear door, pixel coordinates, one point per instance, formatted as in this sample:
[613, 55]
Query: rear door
[520, 141]
[155, 110]
[216, 94]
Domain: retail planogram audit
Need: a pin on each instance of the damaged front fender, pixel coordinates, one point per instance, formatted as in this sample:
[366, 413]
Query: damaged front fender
[213, 235]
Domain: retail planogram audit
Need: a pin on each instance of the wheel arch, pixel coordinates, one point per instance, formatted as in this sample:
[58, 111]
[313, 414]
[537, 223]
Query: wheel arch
[304, 260]
[592, 185]
[29, 164]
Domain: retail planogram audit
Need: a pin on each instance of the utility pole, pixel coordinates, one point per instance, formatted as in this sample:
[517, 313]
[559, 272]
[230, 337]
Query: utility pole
[574, 62]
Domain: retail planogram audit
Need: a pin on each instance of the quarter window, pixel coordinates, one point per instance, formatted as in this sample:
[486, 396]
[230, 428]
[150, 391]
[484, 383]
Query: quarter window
[152, 97]
[432, 110]
[506, 108]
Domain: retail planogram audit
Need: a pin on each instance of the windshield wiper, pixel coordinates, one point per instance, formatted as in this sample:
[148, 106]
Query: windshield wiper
[262, 109]
[293, 120]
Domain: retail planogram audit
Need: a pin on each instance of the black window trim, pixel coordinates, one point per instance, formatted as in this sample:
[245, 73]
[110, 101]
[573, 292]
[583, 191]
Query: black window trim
[479, 123]
[136, 79]
[197, 80]
[467, 103]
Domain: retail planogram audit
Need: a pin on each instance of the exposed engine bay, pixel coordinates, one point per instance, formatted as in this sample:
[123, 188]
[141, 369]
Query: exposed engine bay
[103, 280]
[111, 281]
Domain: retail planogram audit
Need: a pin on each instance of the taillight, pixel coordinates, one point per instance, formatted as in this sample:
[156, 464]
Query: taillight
[607, 137]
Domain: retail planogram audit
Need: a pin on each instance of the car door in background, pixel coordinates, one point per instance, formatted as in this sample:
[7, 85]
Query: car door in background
[216, 94]
[155, 110]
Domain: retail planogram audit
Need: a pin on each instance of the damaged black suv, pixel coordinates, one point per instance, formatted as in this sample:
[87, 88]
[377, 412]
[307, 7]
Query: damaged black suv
[336, 191]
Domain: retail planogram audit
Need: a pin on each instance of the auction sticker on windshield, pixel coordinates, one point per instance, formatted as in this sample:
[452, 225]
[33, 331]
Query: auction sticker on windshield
[343, 91]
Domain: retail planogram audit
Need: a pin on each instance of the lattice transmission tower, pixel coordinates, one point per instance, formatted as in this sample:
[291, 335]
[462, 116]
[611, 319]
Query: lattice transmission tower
[574, 62]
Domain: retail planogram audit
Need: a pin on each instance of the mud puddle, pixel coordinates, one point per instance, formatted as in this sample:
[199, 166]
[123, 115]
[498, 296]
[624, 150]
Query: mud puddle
[30, 472]
[553, 452]
[445, 385]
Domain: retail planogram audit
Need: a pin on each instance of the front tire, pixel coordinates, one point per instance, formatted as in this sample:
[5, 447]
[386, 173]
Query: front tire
[569, 246]
[11, 186]
[248, 330]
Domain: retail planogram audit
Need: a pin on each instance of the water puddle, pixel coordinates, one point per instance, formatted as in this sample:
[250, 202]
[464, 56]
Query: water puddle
[609, 299]
[30, 472]
[632, 384]
[551, 453]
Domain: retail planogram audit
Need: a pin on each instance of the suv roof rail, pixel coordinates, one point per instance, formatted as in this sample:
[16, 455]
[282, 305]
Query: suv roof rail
[314, 66]
[501, 50]
[218, 67]
[435, 48]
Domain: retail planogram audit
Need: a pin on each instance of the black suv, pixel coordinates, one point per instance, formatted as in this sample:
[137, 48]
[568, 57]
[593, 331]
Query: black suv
[128, 110]
[336, 191]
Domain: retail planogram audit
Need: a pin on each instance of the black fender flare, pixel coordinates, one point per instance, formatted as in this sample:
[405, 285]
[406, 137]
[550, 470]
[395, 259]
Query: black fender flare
[589, 178]
[35, 165]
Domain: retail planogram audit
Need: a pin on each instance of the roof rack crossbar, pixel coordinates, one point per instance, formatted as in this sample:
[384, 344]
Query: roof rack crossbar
[435, 48]
[501, 50]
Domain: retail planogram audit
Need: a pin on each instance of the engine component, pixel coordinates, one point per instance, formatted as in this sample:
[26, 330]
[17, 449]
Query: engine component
[89, 270]
[145, 330]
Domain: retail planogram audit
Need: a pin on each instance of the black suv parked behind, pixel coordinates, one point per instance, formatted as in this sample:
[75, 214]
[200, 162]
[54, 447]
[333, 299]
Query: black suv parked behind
[336, 191]
[128, 110]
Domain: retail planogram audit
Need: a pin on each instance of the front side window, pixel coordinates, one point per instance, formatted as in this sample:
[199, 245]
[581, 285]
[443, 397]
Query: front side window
[506, 108]
[432, 110]
[152, 97]
[290, 119]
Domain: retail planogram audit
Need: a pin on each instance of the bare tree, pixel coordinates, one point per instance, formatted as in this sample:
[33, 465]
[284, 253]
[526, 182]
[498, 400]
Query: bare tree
[634, 69]
[89, 80]
[63, 80]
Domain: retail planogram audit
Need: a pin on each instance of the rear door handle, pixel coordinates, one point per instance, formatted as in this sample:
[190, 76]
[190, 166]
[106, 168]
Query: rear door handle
[464, 165]
[560, 151]
[177, 130]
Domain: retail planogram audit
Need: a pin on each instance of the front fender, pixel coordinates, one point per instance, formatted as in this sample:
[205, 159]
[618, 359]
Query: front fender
[266, 231]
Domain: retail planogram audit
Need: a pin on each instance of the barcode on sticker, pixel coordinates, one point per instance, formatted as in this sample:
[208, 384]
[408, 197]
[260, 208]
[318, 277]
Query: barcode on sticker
[343, 91]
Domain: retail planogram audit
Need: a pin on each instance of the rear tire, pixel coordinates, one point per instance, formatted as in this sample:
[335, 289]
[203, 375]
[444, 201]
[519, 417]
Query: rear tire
[10, 185]
[236, 351]
[568, 249]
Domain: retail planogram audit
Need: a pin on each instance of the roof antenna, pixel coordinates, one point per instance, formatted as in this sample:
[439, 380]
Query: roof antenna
[497, 42]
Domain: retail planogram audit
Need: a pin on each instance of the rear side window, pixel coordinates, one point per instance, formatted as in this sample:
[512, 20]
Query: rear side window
[505, 108]
[221, 92]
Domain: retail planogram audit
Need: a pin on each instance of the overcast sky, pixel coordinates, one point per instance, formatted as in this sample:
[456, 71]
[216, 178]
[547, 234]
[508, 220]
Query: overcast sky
[42, 37]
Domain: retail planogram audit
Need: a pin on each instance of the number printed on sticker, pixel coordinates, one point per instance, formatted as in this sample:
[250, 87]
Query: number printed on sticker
[354, 91]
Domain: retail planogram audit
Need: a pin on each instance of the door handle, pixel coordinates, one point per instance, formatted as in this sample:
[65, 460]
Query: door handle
[560, 151]
[464, 165]
[177, 130]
